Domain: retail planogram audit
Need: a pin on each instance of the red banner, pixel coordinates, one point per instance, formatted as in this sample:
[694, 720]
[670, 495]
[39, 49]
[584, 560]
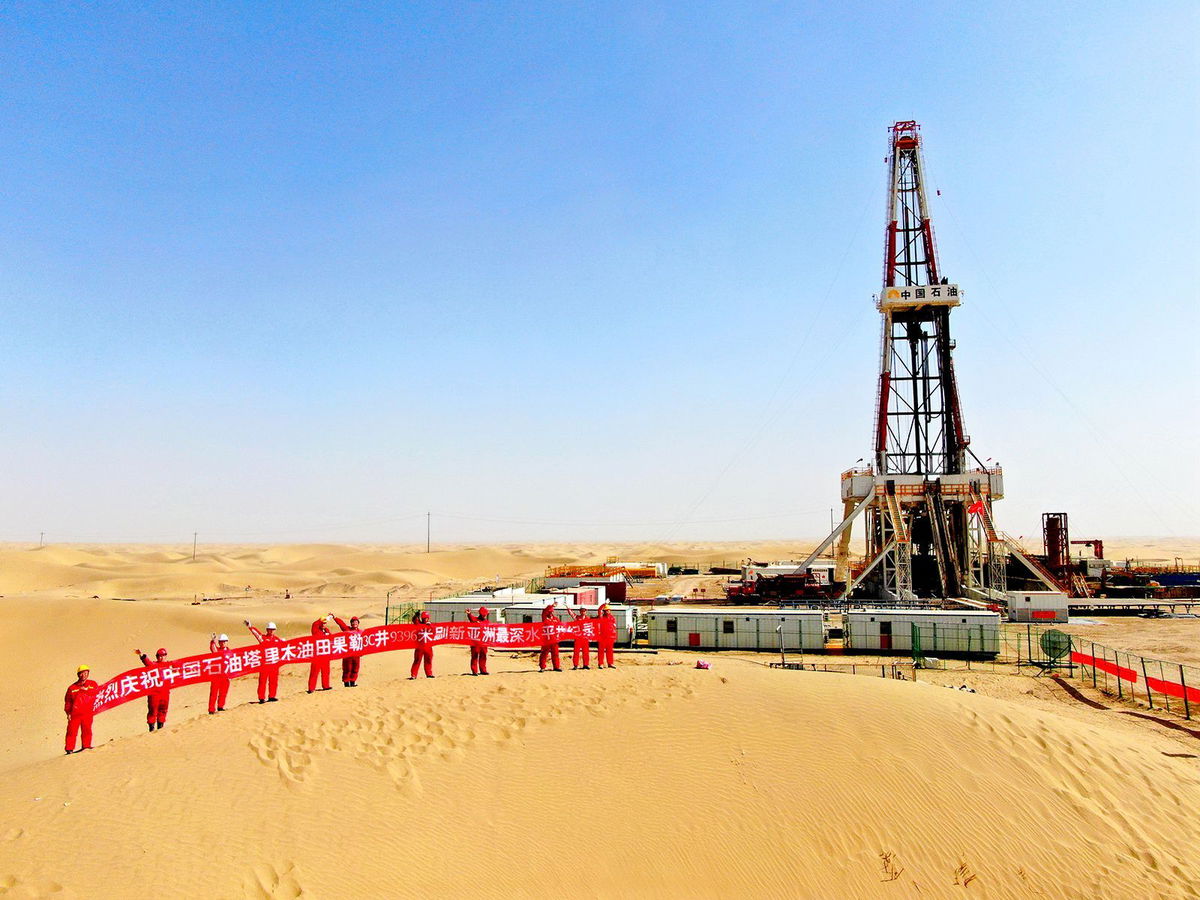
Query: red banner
[1174, 689]
[250, 660]
[1105, 666]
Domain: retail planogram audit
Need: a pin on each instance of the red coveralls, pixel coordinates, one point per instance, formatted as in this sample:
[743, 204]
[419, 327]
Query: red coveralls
[268, 676]
[349, 663]
[479, 650]
[606, 639]
[157, 700]
[582, 645]
[218, 688]
[319, 666]
[78, 706]
[549, 647]
[423, 652]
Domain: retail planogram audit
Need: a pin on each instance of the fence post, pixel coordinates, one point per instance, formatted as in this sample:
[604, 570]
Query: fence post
[1149, 696]
[1162, 677]
[1187, 707]
[1094, 665]
[1117, 660]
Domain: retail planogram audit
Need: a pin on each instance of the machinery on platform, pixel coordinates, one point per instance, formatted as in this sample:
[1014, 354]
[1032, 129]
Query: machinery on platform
[1082, 575]
[783, 587]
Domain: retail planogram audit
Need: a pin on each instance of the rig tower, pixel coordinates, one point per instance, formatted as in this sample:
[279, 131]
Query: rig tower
[928, 513]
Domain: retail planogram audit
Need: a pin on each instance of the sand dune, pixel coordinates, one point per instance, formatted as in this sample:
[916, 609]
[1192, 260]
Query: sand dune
[370, 570]
[654, 780]
[651, 780]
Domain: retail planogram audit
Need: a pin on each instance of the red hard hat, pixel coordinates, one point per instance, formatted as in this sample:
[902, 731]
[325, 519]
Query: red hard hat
[162, 651]
[424, 617]
[483, 610]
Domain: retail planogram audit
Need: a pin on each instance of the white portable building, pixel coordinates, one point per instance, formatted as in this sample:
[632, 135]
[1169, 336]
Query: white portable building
[591, 595]
[569, 581]
[956, 631]
[455, 609]
[1037, 606]
[736, 628]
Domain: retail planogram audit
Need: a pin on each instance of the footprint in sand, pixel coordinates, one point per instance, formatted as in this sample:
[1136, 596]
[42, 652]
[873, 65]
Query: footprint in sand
[12, 886]
[396, 742]
[291, 760]
[268, 883]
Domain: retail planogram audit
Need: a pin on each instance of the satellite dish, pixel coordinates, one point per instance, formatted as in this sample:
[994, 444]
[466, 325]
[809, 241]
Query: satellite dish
[1055, 644]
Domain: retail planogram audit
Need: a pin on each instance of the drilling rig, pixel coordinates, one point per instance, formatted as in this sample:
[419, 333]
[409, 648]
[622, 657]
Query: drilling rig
[926, 508]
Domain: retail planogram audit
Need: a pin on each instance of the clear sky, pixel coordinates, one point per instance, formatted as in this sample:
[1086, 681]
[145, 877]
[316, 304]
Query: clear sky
[292, 272]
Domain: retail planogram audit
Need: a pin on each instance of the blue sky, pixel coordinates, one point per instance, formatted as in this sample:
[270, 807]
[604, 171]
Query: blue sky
[578, 271]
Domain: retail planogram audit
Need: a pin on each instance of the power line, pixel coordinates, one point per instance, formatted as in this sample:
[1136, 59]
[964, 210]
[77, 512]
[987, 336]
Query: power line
[1081, 414]
[770, 419]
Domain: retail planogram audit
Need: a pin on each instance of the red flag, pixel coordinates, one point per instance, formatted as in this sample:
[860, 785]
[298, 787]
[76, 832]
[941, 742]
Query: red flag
[976, 508]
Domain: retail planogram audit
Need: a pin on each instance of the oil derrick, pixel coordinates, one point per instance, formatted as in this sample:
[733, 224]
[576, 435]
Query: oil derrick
[929, 530]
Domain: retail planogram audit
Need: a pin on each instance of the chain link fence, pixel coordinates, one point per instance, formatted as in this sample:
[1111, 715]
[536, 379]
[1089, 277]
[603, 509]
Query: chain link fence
[1171, 686]
[400, 614]
[954, 647]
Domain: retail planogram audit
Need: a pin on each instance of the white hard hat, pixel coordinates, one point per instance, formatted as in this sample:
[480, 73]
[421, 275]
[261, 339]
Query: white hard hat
[223, 637]
[270, 626]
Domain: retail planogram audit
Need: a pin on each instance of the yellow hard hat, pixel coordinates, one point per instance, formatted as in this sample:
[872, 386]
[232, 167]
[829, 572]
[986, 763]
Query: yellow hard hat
[84, 668]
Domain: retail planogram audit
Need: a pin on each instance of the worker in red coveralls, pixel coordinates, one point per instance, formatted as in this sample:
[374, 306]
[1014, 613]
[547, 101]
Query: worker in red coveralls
[319, 665]
[218, 688]
[268, 676]
[606, 639]
[423, 652]
[81, 695]
[158, 699]
[549, 643]
[582, 650]
[479, 648]
[349, 663]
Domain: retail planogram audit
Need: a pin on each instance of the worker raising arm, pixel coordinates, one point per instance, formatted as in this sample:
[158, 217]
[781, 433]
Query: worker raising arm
[158, 699]
[268, 676]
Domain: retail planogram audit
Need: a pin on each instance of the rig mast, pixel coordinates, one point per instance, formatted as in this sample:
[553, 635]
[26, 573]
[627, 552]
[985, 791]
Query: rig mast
[929, 530]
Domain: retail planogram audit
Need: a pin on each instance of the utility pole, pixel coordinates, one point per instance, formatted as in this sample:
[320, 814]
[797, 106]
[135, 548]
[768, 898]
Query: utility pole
[41, 539]
[194, 533]
[427, 517]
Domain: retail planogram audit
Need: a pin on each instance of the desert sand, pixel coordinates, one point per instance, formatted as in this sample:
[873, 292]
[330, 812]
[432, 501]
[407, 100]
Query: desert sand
[651, 780]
